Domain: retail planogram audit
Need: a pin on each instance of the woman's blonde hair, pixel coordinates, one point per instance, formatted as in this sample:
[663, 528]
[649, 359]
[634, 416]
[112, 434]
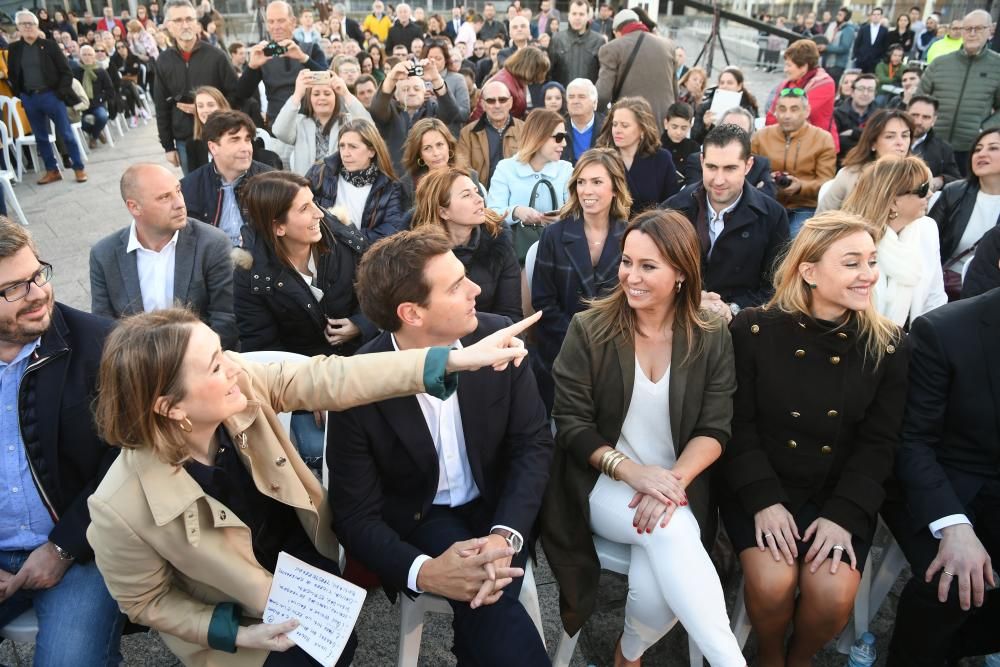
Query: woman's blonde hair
[794, 296]
[621, 201]
[528, 65]
[649, 134]
[216, 95]
[676, 240]
[143, 361]
[536, 131]
[683, 82]
[371, 138]
[434, 193]
[880, 183]
[415, 137]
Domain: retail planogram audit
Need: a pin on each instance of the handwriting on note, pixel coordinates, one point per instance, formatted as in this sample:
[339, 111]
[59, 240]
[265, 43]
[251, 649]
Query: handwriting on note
[325, 605]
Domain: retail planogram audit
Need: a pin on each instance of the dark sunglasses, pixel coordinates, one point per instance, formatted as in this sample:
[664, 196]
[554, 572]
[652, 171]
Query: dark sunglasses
[922, 190]
[495, 100]
[793, 92]
[560, 137]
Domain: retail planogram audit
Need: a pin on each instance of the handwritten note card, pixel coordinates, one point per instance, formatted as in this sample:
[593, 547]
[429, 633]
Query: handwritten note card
[326, 606]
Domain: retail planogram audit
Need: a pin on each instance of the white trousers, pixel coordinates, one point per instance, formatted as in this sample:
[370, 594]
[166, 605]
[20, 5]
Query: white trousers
[670, 578]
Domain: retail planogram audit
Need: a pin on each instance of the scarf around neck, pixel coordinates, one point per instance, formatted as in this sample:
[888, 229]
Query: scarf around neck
[901, 264]
[635, 26]
[361, 177]
[89, 77]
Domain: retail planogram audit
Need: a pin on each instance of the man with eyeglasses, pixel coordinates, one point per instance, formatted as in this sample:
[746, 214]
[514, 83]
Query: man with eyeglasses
[180, 70]
[966, 84]
[51, 460]
[950, 42]
[853, 113]
[39, 74]
[495, 136]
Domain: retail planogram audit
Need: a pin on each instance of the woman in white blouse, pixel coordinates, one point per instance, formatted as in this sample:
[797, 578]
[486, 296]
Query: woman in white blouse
[892, 193]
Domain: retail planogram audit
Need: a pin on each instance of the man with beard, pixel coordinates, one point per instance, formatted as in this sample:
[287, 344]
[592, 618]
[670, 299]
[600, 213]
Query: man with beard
[51, 461]
[939, 156]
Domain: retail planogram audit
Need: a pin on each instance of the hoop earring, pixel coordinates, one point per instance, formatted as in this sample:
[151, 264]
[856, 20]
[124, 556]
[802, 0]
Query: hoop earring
[680, 283]
[185, 423]
[420, 162]
[893, 215]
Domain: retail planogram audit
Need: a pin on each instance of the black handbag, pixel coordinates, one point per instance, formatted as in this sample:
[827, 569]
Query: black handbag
[526, 234]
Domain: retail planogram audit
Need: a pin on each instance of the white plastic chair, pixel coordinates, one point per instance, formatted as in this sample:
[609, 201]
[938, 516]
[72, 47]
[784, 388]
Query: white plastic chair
[411, 616]
[25, 140]
[7, 175]
[81, 139]
[823, 189]
[22, 629]
[529, 263]
[614, 557]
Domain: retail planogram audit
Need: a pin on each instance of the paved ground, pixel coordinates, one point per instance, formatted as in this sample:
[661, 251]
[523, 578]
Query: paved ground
[67, 218]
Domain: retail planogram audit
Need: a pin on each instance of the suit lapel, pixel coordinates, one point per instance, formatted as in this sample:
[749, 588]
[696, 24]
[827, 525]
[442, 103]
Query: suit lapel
[678, 382]
[989, 334]
[129, 272]
[184, 262]
[579, 254]
[626, 360]
[472, 389]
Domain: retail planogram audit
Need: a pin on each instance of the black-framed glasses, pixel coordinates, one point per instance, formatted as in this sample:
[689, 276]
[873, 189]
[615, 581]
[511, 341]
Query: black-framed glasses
[792, 92]
[922, 190]
[18, 291]
[560, 137]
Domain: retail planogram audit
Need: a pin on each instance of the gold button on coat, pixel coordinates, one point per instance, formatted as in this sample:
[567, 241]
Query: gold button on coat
[796, 414]
[792, 444]
[416, 517]
[799, 354]
[754, 329]
[826, 449]
[841, 335]
[834, 360]
[832, 413]
[891, 349]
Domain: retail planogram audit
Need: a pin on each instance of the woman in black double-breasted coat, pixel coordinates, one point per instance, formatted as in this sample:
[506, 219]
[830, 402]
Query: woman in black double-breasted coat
[821, 387]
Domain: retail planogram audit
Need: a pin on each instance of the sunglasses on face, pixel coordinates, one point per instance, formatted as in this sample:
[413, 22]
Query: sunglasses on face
[922, 190]
[560, 137]
[792, 92]
[495, 100]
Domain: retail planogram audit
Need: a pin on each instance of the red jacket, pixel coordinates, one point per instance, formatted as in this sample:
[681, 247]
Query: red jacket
[518, 93]
[821, 90]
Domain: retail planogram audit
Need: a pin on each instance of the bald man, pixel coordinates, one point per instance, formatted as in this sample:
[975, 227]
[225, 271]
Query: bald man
[404, 30]
[163, 258]
[279, 71]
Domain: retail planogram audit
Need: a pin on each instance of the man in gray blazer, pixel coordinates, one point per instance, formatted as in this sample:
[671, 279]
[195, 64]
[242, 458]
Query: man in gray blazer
[163, 258]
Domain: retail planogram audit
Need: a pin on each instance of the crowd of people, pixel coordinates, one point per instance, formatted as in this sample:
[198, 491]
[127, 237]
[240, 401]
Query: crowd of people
[490, 239]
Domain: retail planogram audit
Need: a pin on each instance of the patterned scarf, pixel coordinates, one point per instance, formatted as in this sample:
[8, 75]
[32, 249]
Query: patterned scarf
[361, 177]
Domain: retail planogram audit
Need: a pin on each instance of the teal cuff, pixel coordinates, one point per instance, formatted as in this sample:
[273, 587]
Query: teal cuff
[437, 381]
[223, 627]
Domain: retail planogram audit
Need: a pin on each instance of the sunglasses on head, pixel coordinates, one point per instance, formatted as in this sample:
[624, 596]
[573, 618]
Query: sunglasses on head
[792, 92]
[495, 100]
[560, 137]
[922, 190]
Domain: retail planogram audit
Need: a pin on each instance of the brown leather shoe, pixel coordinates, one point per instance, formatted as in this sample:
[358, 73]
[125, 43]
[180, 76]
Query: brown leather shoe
[50, 177]
[81, 175]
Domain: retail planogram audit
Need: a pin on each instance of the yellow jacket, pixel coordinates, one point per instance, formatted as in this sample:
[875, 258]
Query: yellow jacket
[378, 27]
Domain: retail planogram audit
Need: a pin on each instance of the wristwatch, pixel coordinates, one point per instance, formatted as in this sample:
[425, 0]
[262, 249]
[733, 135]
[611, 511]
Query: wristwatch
[514, 540]
[62, 553]
[734, 309]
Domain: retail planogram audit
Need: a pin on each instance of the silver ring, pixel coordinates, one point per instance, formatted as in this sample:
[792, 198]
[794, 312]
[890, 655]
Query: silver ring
[766, 535]
[950, 574]
[837, 547]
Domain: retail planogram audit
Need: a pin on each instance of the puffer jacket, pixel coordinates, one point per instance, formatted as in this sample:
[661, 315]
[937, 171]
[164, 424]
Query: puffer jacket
[807, 154]
[490, 262]
[968, 88]
[202, 190]
[383, 214]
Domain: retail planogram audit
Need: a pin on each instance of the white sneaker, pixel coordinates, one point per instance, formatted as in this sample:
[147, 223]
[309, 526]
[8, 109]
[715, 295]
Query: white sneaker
[134, 122]
[144, 114]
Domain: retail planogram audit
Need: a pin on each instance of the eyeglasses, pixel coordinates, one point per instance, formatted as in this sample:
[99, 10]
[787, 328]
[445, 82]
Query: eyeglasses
[495, 100]
[18, 291]
[974, 29]
[186, 19]
[864, 89]
[792, 92]
[560, 137]
[99, 51]
[922, 191]
[27, 24]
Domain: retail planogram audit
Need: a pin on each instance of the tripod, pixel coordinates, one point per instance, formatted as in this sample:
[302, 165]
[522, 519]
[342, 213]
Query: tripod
[258, 20]
[708, 49]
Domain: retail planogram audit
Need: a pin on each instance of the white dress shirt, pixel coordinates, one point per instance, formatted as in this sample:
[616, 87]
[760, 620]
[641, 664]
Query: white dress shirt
[874, 31]
[717, 221]
[156, 271]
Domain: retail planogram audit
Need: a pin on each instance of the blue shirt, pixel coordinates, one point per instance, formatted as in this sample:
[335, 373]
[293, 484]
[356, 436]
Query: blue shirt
[25, 522]
[231, 219]
[581, 140]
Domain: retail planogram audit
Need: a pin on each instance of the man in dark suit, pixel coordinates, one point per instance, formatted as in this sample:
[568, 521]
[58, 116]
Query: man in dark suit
[948, 519]
[343, 25]
[39, 74]
[583, 122]
[759, 175]
[871, 42]
[163, 257]
[441, 496]
[935, 151]
[742, 231]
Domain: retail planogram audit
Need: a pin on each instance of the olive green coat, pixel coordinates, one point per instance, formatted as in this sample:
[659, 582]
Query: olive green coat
[968, 89]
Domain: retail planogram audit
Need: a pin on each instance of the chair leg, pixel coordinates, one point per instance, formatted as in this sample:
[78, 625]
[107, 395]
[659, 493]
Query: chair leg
[411, 628]
[12, 202]
[107, 134]
[33, 149]
[81, 141]
[741, 620]
[694, 654]
[529, 600]
[565, 650]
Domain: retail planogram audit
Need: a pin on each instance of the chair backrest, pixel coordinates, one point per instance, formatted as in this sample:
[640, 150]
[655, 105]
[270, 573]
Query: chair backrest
[823, 189]
[529, 263]
[5, 141]
[14, 118]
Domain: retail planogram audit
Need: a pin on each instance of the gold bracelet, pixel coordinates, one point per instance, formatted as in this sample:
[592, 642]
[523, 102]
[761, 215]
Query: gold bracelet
[614, 467]
[606, 460]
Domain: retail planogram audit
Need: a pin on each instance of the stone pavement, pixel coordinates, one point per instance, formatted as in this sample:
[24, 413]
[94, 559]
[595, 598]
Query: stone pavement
[66, 218]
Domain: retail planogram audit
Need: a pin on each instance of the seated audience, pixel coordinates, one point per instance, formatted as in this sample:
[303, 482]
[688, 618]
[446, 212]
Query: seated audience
[730, 79]
[438, 54]
[910, 84]
[892, 194]
[691, 87]
[212, 192]
[853, 113]
[741, 231]
[969, 208]
[947, 520]
[484, 143]
[429, 146]
[100, 92]
[676, 128]
[53, 460]
[889, 132]
[618, 412]
[821, 383]
[198, 429]
[578, 255]
[802, 155]
[207, 100]
[805, 75]
[935, 151]
[760, 171]
[449, 199]
[439, 493]
[359, 180]
[554, 97]
[845, 86]
[583, 120]
[983, 273]
[527, 67]
[311, 119]
[163, 258]
[631, 129]
[128, 67]
[530, 188]
[402, 100]
[889, 72]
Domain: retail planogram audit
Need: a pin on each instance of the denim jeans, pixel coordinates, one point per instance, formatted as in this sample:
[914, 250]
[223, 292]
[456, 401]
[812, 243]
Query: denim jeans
[309, 439]
[100, 119]
[42, 108]
[182, 155]
[78, 621]
[796, 217]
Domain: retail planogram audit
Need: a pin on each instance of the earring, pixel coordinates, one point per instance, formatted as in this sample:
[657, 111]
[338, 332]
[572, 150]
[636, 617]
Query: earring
[679, 284]
[420, 162]
[893, 215]
[185, 425]
[811, 285]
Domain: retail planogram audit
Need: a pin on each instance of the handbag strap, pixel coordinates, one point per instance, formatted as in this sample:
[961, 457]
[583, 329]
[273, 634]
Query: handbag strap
[960, 256]
[628, 67]
[552, 192]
